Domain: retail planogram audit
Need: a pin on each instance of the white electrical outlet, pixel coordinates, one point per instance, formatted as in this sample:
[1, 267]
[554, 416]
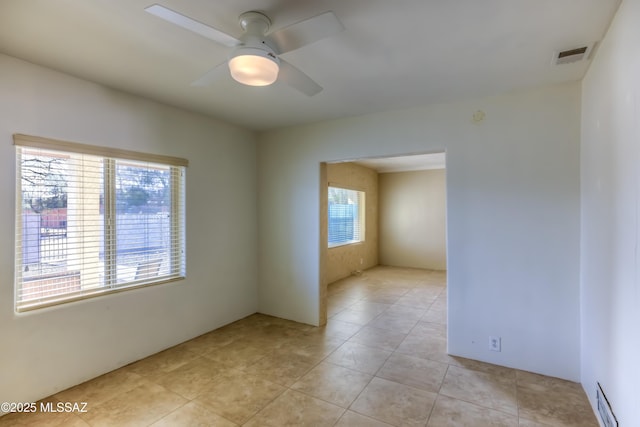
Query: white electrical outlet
[495, 343]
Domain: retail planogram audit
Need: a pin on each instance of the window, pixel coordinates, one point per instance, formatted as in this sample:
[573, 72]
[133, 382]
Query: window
[346, 216]
[93, 220]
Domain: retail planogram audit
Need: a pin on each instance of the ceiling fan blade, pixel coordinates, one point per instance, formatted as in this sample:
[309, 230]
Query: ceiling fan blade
[307, 31]
[297, 79]
[217, 73]
[192, 25]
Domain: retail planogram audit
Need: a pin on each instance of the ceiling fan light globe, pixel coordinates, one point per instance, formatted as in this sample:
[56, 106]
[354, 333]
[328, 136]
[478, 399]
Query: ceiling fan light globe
[254, 67]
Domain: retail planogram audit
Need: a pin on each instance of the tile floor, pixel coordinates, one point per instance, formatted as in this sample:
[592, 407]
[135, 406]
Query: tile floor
[381, 360]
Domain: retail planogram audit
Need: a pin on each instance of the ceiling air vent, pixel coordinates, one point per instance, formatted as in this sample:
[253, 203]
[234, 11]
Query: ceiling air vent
[572, 55]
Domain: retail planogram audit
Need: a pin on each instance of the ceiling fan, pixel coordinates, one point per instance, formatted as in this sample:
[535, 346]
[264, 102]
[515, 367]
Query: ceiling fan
[255, 59]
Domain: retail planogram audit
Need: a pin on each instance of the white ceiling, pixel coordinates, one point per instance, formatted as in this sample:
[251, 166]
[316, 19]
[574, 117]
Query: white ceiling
[415, 162]
[393, 54]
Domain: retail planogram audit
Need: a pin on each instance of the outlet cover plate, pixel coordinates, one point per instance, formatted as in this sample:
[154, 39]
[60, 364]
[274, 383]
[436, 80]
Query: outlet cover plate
[495, 344]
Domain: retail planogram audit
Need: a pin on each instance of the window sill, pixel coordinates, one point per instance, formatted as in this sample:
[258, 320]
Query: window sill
[86, 295]
[341, 244]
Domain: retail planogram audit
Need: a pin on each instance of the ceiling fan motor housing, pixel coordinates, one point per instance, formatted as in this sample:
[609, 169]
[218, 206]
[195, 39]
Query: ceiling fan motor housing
[255, 26]
[254, 23]
[254, 62]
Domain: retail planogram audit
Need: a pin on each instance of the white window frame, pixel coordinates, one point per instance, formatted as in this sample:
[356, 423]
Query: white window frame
[109, 156]
[361, 196]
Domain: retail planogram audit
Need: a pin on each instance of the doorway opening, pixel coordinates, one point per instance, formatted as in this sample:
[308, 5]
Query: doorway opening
[402, 222]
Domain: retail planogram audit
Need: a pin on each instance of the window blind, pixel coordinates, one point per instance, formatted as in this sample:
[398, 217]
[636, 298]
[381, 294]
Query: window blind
[345, 216]
[88, 223]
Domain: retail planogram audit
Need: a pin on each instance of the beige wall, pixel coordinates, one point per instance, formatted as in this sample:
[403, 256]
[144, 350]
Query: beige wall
[344, 260]
[412, 223]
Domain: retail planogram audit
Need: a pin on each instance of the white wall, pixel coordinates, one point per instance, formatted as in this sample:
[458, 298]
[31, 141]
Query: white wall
[413, 219]
[610, 267]
[513, 218]
[48, 350]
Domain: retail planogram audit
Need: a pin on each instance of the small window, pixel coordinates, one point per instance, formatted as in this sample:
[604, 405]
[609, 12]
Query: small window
[93, 220]
[346, 216]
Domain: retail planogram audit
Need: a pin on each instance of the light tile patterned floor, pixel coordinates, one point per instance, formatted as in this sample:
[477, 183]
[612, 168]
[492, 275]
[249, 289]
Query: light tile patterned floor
[381, 360]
